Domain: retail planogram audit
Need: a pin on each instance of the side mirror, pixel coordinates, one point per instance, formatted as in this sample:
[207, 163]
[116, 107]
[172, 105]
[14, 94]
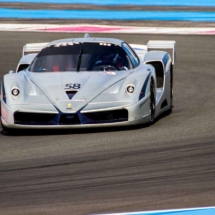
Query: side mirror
[11, 72]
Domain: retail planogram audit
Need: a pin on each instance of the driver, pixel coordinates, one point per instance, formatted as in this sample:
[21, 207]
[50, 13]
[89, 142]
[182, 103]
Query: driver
[105, 59]
[110, 62]
[57, 61]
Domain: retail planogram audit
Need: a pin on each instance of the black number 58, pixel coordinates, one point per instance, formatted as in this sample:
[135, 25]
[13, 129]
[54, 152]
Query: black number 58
[72, 86]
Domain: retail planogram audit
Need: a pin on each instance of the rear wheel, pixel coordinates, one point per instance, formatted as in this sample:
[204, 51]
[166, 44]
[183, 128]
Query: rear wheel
[152, 103]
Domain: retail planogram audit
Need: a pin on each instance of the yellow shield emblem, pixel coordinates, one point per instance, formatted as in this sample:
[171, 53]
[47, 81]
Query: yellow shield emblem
[69, 106]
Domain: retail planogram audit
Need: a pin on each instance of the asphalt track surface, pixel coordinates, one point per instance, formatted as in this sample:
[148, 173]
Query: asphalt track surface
[167, 165]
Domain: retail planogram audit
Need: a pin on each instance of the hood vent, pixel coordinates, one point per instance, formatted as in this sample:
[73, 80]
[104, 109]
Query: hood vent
[70, 94]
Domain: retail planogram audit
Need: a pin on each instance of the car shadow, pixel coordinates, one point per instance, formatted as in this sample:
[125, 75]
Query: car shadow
[45, 132]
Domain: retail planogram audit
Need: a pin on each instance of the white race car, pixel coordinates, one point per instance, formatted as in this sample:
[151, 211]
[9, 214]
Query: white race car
[88, 82]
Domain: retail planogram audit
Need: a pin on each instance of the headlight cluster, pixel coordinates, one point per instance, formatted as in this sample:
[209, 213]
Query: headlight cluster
[15, 91]
[130, 88]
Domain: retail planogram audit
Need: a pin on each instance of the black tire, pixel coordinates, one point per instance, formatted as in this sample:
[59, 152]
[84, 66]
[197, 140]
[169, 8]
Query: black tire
[171, 93]
[8, 130]
[152, 103]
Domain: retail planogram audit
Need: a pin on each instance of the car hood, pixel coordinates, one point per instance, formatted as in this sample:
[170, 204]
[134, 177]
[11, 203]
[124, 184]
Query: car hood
[53, 85]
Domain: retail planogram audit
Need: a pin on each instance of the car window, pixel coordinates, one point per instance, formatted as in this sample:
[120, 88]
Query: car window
[89, 56]
[131, 54]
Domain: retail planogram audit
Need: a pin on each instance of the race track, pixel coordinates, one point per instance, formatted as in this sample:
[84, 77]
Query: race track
[168, 165]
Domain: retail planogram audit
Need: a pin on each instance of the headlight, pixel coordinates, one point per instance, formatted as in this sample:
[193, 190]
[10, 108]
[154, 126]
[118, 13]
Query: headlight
[130, 88]
[15, 91]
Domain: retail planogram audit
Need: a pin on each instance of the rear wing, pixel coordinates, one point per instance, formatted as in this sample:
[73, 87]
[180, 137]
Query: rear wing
[33, 48]
[163, 45]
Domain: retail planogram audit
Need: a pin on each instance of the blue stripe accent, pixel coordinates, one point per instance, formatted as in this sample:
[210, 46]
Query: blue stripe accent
[124, 2]
[143, 90]
[3, 91]
[109, 15]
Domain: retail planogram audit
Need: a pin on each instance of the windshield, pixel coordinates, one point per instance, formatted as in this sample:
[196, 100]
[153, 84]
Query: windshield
[81, 57]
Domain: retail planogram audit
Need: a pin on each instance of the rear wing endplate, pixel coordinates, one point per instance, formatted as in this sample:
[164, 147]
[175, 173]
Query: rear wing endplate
[163, 45]
[33, 48]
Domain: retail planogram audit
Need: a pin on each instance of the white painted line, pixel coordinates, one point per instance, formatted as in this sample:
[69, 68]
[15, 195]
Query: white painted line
[82, 28]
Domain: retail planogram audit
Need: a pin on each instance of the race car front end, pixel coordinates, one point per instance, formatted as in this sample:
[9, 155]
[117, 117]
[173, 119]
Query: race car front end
[118, 105]
[118, 116]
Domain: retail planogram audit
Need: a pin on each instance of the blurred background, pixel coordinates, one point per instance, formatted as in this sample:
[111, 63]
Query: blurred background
[126, 12]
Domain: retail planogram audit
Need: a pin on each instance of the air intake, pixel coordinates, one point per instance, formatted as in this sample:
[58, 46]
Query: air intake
[34, 118]
[107, 116]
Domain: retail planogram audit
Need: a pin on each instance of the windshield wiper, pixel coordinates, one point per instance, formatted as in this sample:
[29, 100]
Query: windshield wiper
[79, 58]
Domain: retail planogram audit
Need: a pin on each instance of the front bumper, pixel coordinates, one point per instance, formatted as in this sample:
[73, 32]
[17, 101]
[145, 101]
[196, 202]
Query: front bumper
[143, 120]
[137, 113]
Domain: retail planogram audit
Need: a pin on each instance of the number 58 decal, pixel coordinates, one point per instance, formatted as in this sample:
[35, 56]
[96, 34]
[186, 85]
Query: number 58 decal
[72, 86]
